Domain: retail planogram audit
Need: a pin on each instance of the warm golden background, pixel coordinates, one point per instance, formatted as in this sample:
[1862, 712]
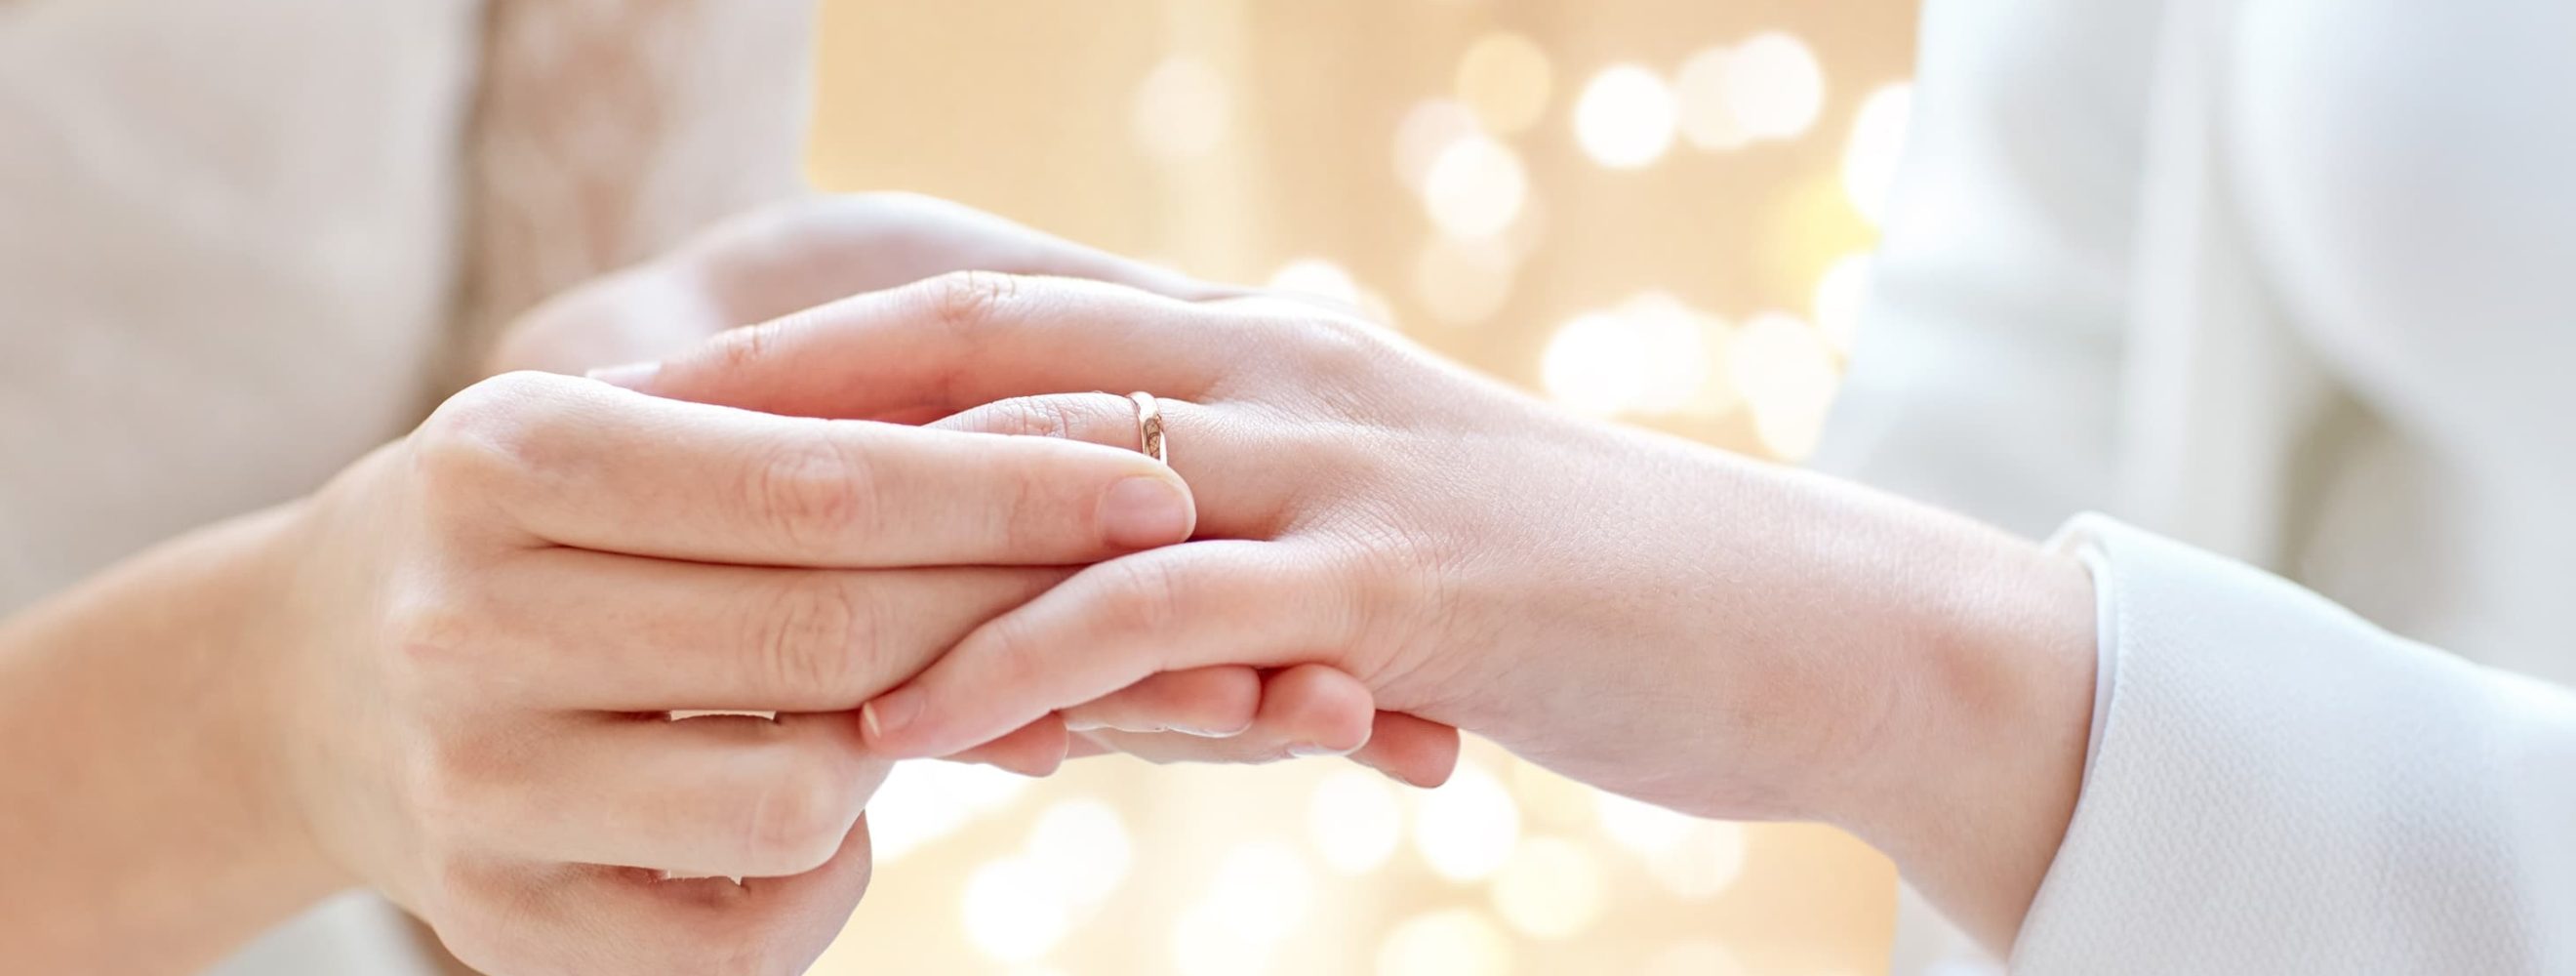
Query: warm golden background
[1653, 210]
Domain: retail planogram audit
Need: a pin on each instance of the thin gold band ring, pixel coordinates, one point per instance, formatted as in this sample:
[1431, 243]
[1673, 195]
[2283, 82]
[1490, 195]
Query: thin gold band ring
[1149, 426]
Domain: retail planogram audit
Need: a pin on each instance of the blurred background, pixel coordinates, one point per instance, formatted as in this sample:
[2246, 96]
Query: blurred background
[1656, 210]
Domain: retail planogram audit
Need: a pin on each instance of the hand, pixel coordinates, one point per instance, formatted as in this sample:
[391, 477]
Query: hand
[1695, 629]
[804, 252]
[792, 255]
[486, 626]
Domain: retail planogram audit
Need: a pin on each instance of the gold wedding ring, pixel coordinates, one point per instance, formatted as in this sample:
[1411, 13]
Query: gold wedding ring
[1149, 426]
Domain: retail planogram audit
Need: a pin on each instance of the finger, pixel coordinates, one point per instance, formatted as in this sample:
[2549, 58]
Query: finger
[1111, 625]
[958, 340]
[1203, 702]
[511, 918]
[813, 250]
[1215, 451]
[1035, 749]
[620, 633]
[1416, 751]
[1307, 710]
[584, 464]
[715, 795]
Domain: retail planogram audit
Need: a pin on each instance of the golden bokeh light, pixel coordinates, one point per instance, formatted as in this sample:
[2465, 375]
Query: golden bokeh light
[1626, 117]
[1436, 165]
[1454, 942]
[1870, 153]
[1319, 278]
[1505, 79]
[1707, 111]
[1181, 109]
[1475, 187]
[1775, 86]
[1704, 862]
[1014, 911]
[1428, 129]
[1462, 282]
[1788, 375]
[1693, 957]
[1550, 889]
[1466, 829]
[1355, 821]
[1082, 844]
[1841, 293]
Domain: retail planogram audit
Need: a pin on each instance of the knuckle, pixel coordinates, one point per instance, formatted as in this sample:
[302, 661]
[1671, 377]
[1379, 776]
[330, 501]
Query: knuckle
[813, 492]
[483, 435]
[1147, 595]
[815, 633]
[452, 784]
[797, 821]
[1035, 416]
[967, 301]
[746, 346]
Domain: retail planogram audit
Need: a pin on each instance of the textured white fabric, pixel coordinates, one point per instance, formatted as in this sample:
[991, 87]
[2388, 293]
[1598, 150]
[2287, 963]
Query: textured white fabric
[2285, 280]
[2283, 788]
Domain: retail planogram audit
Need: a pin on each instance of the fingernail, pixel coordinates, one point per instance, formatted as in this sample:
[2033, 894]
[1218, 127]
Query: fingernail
[1144, 511]
[890, 712]
[1308, 750]
[633, 376]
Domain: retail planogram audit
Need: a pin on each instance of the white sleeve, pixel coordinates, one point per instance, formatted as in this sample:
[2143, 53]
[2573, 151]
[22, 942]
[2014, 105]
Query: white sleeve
[1986, 377]
[2280, 787]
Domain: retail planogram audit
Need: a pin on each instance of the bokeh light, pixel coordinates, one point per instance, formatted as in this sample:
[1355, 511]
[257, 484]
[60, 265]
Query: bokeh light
[1451, 942]
[1181, 109]
[1876, 145]
[1647, 356]
[1692, 957]
[1474, 187]
[1429, 128]
[1625, 118]
[1788, 375]
[1550, 889]
[1775, 86]
[1319, 278]
[1468, 827]
[1505, 79]
[1707, 111]
[1083, 844]
[1014, 911]
[1354, 820]
[922, 802]
[1462, 282]
[1704, 863]
[1639, 826]
[1841, 293]
[1205, 943]
[1262, 890]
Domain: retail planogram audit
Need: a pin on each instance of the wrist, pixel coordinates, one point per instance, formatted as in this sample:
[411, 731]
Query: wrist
[1987, 685]
[146, 798]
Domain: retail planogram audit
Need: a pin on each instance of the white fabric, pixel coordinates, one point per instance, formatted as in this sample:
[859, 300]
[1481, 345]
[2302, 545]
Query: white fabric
[2283, 788]
[2286, 280]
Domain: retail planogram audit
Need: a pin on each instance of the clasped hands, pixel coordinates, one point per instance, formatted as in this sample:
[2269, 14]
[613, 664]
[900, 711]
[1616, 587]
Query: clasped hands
[904, 522]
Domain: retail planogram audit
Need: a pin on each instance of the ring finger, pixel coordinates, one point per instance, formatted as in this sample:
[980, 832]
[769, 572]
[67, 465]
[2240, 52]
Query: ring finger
[1212, 448]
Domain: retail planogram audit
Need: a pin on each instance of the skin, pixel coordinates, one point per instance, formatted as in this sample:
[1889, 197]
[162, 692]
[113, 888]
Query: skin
[1717, 635]
[451, 673]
